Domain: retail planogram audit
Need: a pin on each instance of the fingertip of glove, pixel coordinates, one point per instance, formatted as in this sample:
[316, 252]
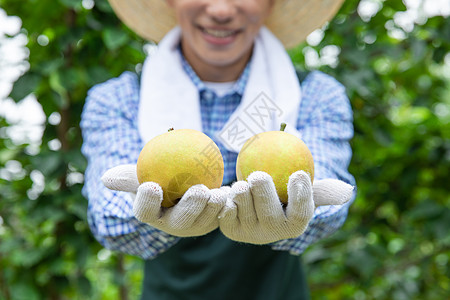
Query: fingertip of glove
[150, 187]
[332, 192]
[348, 192]
[218, 197]
[110, 182]
[226, 189]
[240, 187]
[336, 184]
[220, 192]
[258, 178]
[106, 180]
[299, 185]
[300, 177]
[121, 178]
[199, 190]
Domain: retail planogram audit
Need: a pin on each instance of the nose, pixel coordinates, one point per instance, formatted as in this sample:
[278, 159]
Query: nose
[221, 11]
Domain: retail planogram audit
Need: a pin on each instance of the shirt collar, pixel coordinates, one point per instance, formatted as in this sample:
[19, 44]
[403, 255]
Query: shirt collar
[238, 87]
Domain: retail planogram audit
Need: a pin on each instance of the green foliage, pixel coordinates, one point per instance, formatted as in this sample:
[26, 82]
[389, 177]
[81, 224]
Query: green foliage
[46, 248]
[395, 243]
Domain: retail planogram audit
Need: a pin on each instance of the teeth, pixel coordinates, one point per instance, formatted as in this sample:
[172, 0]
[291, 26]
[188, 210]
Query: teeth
[219, 33]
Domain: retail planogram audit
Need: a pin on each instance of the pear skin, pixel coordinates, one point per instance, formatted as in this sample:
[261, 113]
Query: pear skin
[277, 153]
[179, 159]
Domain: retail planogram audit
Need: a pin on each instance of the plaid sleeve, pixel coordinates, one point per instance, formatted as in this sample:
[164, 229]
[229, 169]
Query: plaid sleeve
[111, 138]
[326, 124]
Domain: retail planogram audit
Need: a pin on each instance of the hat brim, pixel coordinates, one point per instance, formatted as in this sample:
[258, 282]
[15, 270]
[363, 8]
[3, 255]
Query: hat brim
[291, 21]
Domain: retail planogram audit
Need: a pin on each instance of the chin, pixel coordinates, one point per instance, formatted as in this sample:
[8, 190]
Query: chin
[218, 61]
[222, 58]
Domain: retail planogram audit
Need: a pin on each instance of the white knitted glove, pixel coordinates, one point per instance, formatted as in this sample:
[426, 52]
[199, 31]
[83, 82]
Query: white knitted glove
[254, 214]
[194, 215]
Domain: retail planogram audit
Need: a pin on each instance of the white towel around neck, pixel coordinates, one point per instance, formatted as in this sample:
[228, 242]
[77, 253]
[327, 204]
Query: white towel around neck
[168, 97]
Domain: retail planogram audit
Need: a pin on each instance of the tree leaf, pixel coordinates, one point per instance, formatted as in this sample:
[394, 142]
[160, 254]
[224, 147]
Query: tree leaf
[114, 38]
[25, 85]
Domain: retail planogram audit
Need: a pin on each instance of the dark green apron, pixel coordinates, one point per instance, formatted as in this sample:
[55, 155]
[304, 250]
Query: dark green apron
[215, 267]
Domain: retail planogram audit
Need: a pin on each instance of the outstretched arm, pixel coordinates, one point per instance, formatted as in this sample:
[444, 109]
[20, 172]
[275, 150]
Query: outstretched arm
[110, 139]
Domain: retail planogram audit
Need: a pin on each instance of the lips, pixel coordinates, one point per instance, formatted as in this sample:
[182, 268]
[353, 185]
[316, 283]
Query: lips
[219, 33]
[219, 36]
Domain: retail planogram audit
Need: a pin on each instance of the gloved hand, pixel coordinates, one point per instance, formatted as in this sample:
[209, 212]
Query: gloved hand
[254, 214]
[195, 214]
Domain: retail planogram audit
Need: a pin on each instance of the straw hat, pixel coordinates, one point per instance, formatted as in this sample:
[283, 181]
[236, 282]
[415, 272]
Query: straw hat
[291, 20]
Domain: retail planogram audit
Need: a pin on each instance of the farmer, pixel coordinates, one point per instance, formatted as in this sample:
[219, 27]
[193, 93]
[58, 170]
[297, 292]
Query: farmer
[221, 67]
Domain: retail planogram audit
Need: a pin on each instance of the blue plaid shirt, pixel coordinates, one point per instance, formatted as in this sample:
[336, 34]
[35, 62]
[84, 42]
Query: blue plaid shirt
[111, 138]
[215, 112]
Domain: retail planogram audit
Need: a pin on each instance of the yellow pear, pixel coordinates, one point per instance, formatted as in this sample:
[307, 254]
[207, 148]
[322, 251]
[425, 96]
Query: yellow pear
[277, 153]
[179, 159]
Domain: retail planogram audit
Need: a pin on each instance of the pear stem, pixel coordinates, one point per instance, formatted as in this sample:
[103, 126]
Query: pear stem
[170, 129]
[283, 126]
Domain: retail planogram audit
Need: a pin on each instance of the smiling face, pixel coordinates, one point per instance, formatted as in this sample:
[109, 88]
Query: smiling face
[219, 34]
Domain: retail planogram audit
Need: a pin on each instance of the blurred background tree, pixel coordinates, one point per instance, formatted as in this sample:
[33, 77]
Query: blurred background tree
[395, 64]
